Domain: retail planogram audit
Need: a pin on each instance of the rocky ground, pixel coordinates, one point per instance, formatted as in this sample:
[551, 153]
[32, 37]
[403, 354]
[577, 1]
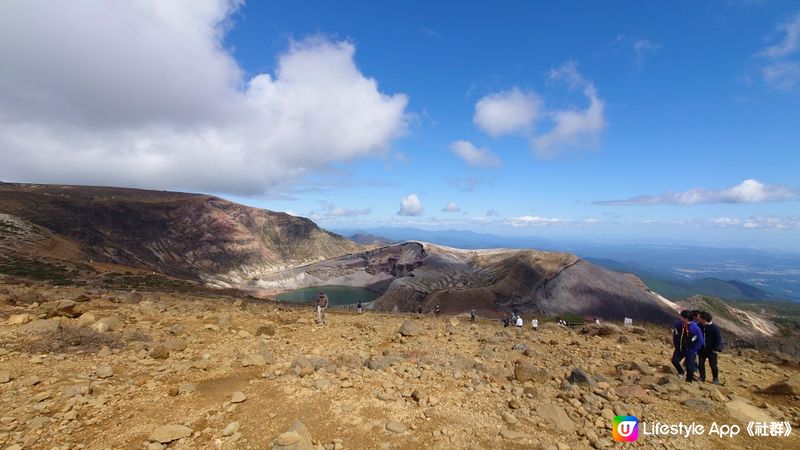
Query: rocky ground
[98, 369]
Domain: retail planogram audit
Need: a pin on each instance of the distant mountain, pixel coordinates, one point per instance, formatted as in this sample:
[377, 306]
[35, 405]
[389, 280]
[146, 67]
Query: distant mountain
[189, 236]
[737, 321]
[451, 238]
[680, 289]
[369, 239]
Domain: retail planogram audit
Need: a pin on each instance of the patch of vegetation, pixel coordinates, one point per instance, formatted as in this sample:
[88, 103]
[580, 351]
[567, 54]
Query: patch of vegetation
[39, 270]
[71, 339]
[145, 282]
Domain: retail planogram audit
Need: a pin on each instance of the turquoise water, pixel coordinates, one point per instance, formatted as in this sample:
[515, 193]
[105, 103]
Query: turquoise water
[338, 295]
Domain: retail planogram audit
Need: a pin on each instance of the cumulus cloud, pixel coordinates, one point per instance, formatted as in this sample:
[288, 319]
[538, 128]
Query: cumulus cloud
[475, 156]
[451, 207]
[748, 191]
[573, 127]
[507, 112]
[410, 206]
[518, 112]
[144, 94]
[782, 69]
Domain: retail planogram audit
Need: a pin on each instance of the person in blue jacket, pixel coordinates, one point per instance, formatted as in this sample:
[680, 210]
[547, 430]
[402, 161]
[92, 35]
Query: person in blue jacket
[687, 338]
[712, 337]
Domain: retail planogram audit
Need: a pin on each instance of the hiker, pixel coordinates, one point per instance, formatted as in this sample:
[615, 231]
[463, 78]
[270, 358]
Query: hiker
[436, 311]
[712, 338]
[696, 316]
[597, 321]
[519, 323]
[687, 338]
[358, 307]
[506, 321]
[419, 308]
[322, 305]
[472, 315]
[534, 324]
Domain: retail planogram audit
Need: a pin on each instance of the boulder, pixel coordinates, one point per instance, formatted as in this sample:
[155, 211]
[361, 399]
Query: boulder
[579, 376]
[302, 366]
[159, 352]
[526, 371]
[745, 412]
[18, 319]
[790, 386]
[168, 433]
[60, 308]
[557, 416]
[42, 326]
[296, 437]
[410, 328]
[105, 372]
[395, 427]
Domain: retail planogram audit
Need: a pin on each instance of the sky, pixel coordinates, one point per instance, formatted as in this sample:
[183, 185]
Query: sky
[664, 121]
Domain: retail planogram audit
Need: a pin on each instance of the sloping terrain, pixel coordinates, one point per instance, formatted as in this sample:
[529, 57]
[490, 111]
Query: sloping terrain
[191, 236]
[176, 371]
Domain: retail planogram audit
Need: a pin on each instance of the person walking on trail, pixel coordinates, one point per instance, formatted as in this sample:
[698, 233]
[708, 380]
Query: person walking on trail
[419, 308]
[687, 338]
[472, 315]
[520, 322]
[358, 307]
[506, 321]
[534, 324]
[712, 338]
[322, 305]
[437, 310]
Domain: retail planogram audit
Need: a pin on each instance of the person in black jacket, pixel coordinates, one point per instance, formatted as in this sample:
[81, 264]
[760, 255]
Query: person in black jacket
[713, 345]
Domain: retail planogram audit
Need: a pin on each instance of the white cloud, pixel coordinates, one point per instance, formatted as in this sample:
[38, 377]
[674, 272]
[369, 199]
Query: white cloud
[329, 210]
[143, 94]
[516, 112]
[790, 41]
[475, 156]
[573, 128]
[507, 112]
[642, 48]
[534, 221]
[451, 207]
[748, 191]
[757, 222]
[410, 206]
[783, 69]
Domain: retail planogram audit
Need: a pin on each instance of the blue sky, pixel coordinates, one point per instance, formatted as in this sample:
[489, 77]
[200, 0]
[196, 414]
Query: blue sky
[612, 120]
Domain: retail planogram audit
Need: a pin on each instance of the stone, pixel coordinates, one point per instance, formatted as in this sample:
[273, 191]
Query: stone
[513, 435]
[105, 372]
[175, 345]
[231, 428]
[509, 418]
[265, 330]
[526, 371]
[556, 415]
[699, 404]
[42, 326]
[5, 376]
[410, 328]
[238, 397]
[168, 433]
[395, 427]
[514, 404]
[110, 323]
[789, 387]
[302, 366]
[78, 389]
[296, 437]
[159, 352]
[18, 319]
[254, 359]
[579, 376]
[60, 308]
[745, 412]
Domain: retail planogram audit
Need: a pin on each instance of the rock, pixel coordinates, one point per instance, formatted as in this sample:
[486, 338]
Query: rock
[745, 413]
[86, 319]
[395, 427]
[42, 326]
[302, 366]
[296, 437]
[699, 404]
[78, 389]
[790, 386]
[159, 352]
[410, 328]
[105, 371]
[509, 418]
[238, 397]
[514, 404]
[60, 308]
[168, 433]
[579, 376]
[513, 435]
[231, 428]
[556, 415]
[254, 360]
[526, 371]
[175, 345]
[265, 330]
[111, 323]
[5, 376]
[18, 319]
